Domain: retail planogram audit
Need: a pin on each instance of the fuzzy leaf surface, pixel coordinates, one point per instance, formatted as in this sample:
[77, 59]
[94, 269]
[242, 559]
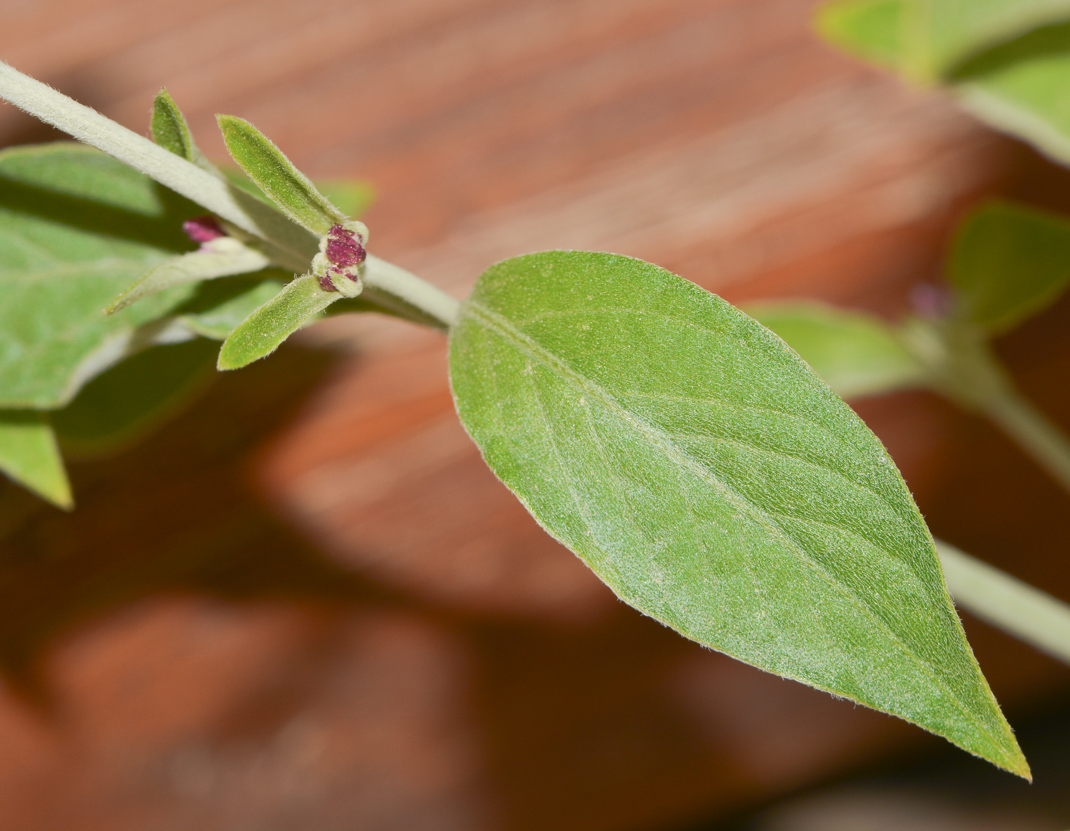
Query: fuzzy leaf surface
[715, 483]
[856, 354]
[170, 131]
[1009, 262]
[260, 334]
[30, 456]
[76, 228]
[275, 175]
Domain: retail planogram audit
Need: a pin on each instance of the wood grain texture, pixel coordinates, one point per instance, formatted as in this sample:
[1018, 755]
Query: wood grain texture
[308, 604]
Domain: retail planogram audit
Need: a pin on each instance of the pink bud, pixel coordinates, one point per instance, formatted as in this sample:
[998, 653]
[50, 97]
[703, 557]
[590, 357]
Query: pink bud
[343, 248]
[202, 229]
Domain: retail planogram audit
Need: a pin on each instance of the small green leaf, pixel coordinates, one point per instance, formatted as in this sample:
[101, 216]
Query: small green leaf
[289, 188]
[30, 456]
[170, 131]
[223, 257]
[130, 400]
[76, 228]
[856, 354]
[716, 484]
[1009, 262]
[261, 333]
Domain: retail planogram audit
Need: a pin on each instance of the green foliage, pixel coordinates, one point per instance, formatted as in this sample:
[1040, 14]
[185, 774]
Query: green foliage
[1009, 262]
[220, 305]
[131, 399]
[288, 188]
[223, 257]
[1021, 89]
[856, 354]
[76, 228]
[29, 455]
[1006, 60]
[170, 131]
[868, 29]
[260, 334]
[715, 483]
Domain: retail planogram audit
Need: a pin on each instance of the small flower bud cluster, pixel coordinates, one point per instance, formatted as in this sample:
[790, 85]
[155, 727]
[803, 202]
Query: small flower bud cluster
[337, 266]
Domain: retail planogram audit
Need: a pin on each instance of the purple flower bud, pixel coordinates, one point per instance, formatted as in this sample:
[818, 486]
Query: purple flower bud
[326, 284]
[202, 229]
[343, 248]
[931, 301]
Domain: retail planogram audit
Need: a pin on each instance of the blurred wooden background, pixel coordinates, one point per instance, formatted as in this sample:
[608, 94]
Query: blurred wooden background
[307, 604]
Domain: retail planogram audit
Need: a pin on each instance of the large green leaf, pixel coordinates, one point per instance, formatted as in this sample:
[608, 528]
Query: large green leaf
[76, 228]
[706, 474]
[856, 354]
[30, 456]
[1009, 262]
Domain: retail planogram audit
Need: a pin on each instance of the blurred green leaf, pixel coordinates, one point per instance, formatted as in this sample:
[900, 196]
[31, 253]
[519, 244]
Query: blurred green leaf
[30, 456]
[1009, 262]
[300, 302]
[716, 484]
[868, 29]
[219, 306]
[288, 188]
[929, 39]
[352, 196]
[856, 354]
[76, 228]
[1022, 88]
[130, 400]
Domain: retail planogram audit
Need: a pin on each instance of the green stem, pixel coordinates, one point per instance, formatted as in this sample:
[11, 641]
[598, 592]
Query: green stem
[403, 293]
[960, 364]
[87, 125]
[1004, 601]
[1033, 432]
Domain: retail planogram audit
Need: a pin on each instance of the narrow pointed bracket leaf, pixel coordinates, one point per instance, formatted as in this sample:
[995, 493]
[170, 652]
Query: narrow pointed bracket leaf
[715, 483]
[261, 333]
[170, 131]
[222, 257]
[30, 456]
[1009, 262]
[856, 354]
[288, 188]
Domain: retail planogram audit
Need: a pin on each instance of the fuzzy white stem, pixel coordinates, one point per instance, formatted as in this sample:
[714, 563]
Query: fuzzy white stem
[196, 184]
[1004, 601]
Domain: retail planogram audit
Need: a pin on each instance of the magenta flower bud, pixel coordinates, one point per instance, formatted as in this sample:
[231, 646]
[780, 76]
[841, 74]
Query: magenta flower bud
[931, 301]
[343, 248]
[202, 229]
[326, 284]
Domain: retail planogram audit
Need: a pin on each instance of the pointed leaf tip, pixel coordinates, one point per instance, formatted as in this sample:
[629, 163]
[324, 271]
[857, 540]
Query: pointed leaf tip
[264, 330]
[288, 188]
